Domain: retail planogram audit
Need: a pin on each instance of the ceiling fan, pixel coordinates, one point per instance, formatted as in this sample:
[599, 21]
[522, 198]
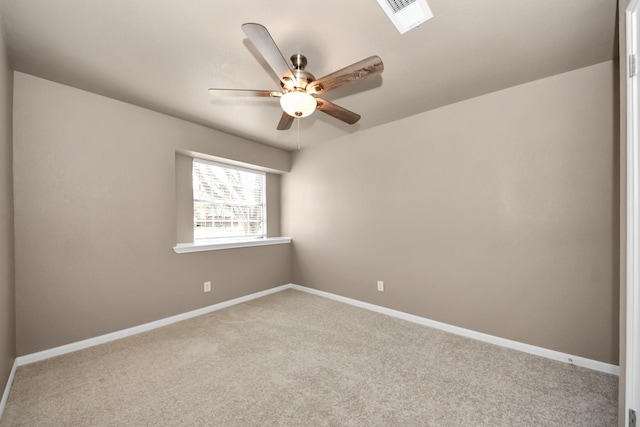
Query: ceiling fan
[298, 85]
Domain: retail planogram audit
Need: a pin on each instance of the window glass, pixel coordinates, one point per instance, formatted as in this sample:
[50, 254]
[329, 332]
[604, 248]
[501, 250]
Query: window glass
[228, 202]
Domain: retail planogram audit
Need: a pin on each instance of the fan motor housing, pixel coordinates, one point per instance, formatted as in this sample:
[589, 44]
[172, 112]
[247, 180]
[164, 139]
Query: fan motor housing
[303, 78]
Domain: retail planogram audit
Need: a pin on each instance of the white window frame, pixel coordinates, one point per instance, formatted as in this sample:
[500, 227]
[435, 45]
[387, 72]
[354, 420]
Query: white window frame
[220, 243]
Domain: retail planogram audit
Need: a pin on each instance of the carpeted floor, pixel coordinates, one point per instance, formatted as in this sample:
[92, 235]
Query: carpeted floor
[295, 359]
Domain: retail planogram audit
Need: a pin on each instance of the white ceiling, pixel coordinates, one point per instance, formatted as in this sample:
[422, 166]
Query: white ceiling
[165, 54]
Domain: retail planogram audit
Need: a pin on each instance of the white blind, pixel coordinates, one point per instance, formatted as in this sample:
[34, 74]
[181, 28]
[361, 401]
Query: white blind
[228, 202]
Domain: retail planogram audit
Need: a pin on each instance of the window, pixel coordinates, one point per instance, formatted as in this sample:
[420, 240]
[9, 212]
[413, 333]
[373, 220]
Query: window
[228, 202]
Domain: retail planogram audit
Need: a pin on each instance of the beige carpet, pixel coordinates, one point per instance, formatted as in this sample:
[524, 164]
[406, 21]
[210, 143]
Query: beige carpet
[294, 359]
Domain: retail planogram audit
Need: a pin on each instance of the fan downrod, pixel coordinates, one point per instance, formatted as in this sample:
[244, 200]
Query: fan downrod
[299, 61]
[302, 77]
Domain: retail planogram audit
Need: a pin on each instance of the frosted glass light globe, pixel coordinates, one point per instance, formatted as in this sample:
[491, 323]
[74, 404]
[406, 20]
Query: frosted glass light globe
[298, 104]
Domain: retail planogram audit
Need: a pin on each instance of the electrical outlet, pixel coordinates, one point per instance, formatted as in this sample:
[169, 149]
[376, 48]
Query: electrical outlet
[207, 286]
[380, 286]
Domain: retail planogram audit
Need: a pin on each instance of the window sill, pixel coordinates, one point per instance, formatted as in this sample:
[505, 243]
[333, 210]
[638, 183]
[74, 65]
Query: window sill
[184, 248]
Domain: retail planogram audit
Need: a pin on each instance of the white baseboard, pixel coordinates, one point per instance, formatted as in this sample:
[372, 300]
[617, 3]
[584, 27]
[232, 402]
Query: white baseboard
[7, 388]
[515, 345]
[90, 342]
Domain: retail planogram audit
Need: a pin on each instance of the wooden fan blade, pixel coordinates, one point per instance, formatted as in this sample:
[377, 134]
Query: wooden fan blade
[354, 72]
[285, 121]
[243, 92]
[338, 112]
[263, 41]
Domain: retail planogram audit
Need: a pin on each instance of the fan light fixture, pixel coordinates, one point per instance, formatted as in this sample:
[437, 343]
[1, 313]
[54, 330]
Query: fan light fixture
[299, 87]
[298, 104]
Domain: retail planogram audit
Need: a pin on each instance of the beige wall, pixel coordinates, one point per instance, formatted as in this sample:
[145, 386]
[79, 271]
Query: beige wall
[7, 290]
[95, 217]
[497, 214]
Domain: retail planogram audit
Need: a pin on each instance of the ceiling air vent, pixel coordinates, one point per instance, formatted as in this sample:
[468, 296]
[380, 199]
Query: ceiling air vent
[406, 14]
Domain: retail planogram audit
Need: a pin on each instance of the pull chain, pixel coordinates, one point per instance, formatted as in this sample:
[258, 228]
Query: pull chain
[298, 134]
